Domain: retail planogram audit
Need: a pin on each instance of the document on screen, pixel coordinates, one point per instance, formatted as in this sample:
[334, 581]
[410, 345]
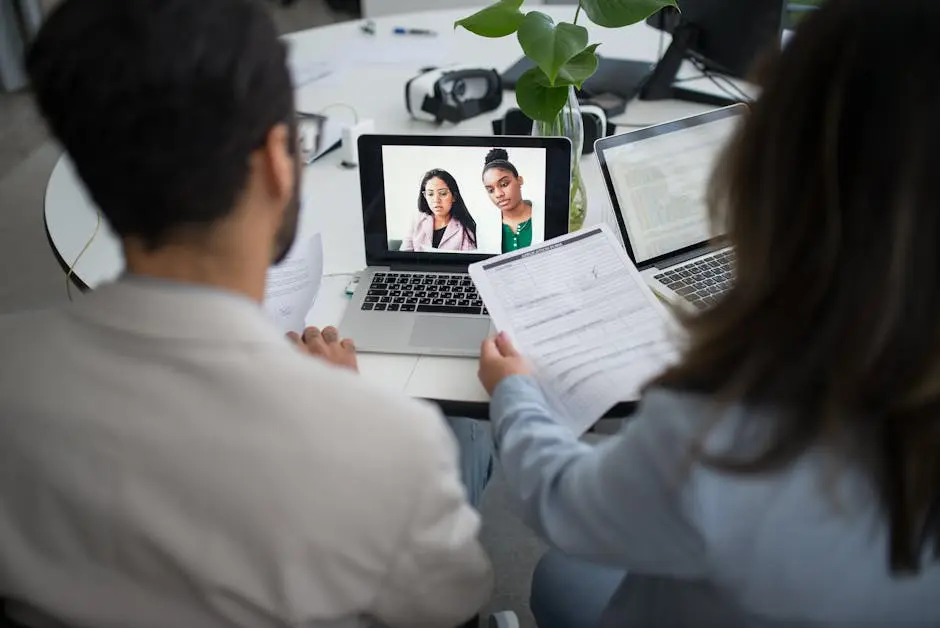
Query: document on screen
[661, 182]
[579, 311]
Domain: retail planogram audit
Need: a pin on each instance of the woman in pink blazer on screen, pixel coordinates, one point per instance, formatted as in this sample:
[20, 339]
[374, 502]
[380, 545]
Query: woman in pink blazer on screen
[443, 222]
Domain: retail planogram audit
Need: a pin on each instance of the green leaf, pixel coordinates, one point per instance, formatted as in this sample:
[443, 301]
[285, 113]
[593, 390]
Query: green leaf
[579, 68]
[550, 46]
[537, 100]
[617, 13]
[497, 20]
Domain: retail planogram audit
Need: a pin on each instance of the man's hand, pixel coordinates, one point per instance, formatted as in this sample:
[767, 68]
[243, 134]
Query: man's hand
[327, 346]
[498, 360]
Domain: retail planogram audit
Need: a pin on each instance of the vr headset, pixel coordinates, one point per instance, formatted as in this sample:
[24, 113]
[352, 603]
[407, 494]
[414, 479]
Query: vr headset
[453, 94]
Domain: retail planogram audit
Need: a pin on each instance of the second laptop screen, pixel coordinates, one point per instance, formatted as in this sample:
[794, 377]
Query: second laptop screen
[660, 184]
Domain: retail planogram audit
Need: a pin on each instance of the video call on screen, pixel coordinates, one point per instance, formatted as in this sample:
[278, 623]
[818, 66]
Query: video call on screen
[464, 199]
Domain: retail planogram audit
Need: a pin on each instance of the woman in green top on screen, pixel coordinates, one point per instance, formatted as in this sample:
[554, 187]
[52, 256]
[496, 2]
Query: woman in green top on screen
[504, 185]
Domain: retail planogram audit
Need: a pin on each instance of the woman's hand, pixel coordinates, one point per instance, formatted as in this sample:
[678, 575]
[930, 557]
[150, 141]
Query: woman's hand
[327, 346]
[498, 360]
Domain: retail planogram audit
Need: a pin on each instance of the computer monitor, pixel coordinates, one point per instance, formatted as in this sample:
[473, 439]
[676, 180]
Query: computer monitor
[721, 36]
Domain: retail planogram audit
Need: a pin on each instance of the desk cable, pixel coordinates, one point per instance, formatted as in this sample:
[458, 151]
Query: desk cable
[71, 269]
[340, 105]
[729, 88]
[725, 84]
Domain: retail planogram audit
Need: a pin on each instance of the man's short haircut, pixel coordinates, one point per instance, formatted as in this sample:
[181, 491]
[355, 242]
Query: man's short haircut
[160, 104]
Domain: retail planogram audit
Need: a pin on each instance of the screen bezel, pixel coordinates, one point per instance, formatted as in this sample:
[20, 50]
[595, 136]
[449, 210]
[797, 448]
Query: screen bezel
[372, 186]
[602, 145]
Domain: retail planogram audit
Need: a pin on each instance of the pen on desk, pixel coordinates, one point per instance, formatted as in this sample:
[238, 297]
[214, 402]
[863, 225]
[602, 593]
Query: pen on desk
[400, 30]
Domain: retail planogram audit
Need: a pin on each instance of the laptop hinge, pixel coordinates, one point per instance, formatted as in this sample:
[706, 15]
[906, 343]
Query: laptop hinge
[428, 268]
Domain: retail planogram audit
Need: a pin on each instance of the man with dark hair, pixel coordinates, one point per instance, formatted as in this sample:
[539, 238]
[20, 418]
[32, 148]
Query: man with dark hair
[169, 459]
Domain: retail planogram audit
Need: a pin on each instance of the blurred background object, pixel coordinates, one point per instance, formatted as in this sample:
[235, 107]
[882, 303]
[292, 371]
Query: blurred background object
[19, 22]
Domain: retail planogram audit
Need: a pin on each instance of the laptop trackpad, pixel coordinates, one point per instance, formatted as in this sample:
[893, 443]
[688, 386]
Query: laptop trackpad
[449, 332]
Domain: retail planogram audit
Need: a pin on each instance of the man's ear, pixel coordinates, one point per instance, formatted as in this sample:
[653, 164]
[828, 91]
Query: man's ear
[278, 161]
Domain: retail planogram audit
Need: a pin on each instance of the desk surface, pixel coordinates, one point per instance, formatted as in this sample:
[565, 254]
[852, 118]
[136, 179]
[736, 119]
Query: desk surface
[369, 77]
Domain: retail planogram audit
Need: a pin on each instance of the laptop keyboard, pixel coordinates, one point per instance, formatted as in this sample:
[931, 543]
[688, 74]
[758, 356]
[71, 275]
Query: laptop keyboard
[434, 293]
[702, 280]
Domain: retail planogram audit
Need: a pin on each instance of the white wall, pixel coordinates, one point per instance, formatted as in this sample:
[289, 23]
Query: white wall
[405, 166]
[379, 8]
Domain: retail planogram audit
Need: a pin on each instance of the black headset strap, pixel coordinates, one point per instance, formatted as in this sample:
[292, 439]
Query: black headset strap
[467, 109]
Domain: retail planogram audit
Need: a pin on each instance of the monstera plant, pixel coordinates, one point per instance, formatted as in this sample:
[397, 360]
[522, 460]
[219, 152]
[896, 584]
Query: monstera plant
[563, 58]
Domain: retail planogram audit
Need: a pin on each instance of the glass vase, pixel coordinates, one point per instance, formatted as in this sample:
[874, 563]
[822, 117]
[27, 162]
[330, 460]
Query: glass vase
[568, 123]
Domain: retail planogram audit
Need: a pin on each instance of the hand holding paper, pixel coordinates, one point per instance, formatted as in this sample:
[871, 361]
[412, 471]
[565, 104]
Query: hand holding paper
[500, 359]
[578, 310]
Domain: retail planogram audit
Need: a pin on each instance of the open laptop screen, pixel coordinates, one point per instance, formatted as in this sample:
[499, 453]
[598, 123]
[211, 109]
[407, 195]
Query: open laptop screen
[474, 205]
[657, 179]
[437, 201]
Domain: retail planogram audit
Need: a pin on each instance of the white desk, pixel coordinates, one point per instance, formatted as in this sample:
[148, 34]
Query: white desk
[331, 194]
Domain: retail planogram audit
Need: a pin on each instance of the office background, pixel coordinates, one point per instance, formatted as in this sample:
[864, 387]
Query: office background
[31, 277]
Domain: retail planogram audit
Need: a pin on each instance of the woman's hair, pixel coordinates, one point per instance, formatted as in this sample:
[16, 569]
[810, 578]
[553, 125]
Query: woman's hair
[499, 158]
[458, 209]
[828, 193]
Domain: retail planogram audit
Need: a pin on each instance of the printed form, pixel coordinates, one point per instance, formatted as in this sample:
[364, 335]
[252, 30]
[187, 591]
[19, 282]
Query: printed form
[291, 287]
[579, 311]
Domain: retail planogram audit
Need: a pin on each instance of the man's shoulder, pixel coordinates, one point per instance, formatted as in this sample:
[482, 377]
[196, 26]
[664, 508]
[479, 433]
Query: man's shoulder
[25, 320]
[26, 333]
[351, 402]
[337, 422]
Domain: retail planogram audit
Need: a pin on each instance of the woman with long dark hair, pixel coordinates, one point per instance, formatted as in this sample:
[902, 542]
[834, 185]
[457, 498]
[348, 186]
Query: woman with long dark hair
[786, 470]
[443, 222]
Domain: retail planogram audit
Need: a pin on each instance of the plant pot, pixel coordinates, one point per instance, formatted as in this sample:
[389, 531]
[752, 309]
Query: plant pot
[568, 123]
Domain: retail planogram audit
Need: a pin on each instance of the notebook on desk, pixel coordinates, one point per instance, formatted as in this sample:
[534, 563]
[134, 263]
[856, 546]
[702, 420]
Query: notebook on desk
[429, 211]
[656, 179]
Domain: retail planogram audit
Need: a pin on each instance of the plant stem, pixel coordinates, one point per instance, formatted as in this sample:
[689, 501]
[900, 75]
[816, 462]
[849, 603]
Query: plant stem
[577, 13]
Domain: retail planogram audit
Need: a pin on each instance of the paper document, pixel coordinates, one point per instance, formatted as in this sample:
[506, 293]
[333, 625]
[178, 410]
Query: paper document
[292, 285]
[579, 311]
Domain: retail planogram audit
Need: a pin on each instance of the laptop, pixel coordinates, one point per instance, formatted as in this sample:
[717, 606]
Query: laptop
[429, 211]
[657, 179]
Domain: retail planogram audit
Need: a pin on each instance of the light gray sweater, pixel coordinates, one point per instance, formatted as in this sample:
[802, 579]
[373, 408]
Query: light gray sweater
[803, 547]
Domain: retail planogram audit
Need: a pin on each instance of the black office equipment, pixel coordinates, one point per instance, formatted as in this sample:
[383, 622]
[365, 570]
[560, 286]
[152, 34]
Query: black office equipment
[722, 37]
[719, 36]
[594, 121]
[614, 77]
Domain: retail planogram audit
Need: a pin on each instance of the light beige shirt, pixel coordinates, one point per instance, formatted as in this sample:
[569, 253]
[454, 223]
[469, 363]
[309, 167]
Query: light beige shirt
[168, 459]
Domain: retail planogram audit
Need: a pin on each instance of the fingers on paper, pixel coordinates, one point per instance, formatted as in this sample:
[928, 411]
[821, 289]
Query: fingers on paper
[330, 334]
[505, 346]
[488, 350]
[314, 339]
